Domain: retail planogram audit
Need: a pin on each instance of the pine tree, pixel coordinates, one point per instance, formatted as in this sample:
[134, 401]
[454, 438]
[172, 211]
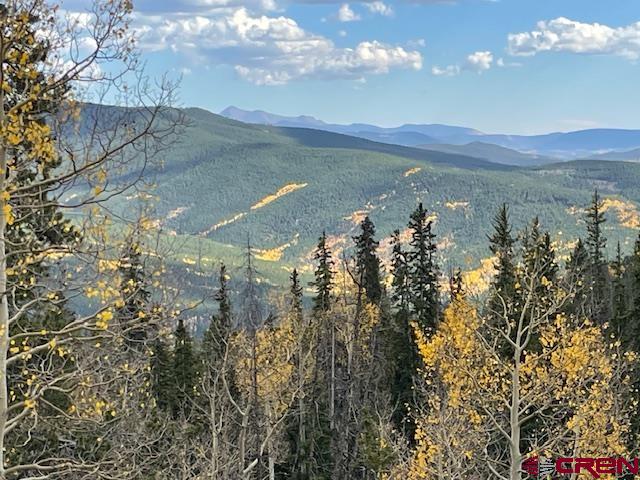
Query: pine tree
[501, 244]
[184, 370]
[323, 276]
[503, 303]
[576, 276]
[578, 260]
[401, 293]
[423, 270]
[214, 343]
[367, 261]
[456, 285]
[401, 346]
[296, 294]
[597, 271]
[325, 375]
[162, 377]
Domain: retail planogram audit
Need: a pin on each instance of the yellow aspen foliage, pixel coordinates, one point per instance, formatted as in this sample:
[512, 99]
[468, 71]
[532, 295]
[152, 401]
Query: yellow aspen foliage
[273, 365]
[454, 370]
[103, 319]
[573, 381]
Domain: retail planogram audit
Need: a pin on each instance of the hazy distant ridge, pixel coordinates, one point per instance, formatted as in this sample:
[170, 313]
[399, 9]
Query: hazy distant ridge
[601, 143]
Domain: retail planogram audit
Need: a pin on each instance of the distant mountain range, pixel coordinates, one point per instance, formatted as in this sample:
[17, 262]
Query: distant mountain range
[628, 156]
[521, 150]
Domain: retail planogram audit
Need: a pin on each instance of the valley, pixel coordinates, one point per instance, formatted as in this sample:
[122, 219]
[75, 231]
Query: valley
[227, 183]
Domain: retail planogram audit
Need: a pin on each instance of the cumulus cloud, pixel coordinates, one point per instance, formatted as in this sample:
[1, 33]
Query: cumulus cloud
[345, 14]
[268, 50]
[565, 35]
[379, 8]
[448, 71]
[475, 62]
[479, 61]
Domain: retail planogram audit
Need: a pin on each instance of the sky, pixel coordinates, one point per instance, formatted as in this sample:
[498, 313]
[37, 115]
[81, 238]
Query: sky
[500, 66]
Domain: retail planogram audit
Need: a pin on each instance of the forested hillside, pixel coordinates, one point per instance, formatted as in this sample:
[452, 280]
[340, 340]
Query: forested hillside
[225, 183]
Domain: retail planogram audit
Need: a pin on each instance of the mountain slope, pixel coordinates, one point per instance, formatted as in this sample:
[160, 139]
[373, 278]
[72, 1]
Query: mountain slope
[279, 187]
[492, 153]
[630, 156]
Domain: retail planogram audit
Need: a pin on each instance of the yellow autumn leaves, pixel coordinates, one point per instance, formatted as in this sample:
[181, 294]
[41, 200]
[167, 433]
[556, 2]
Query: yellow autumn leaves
[571, 375]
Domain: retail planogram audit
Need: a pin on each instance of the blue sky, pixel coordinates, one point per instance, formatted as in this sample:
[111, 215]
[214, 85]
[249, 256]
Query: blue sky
[512, 66]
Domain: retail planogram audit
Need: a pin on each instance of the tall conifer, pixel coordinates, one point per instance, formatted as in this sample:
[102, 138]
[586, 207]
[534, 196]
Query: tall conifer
[423, 270]
[323, 281]
[501, 244]
[367, 261]
[401, 348]
[596, 243]
[184, 369]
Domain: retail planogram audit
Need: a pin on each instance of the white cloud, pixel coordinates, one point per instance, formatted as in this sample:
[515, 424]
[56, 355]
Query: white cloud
[476, 62]
[417, 43]
[565, 35]
[345, 14]
[379, 8]
[342, 33]
[268, 50]
[480, 61]
[448, 71]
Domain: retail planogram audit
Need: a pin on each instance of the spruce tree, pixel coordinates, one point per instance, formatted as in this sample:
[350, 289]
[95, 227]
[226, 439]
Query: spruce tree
[576, 275]
[163, 385]
[456, 285]
[323, 281]
[578, 260]
[184, 370]
[423, 270]
[401, 345]
[501, 244]
[597, 270]
[296, 294]
[214, 343]
[321, 434]
[367, 261]
[400, 293]
[503, 302]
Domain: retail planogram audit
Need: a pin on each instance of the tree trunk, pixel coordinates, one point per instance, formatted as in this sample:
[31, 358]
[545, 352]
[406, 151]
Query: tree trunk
[302, 434]
[514, 414]
[4, 307]
[332, 407]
